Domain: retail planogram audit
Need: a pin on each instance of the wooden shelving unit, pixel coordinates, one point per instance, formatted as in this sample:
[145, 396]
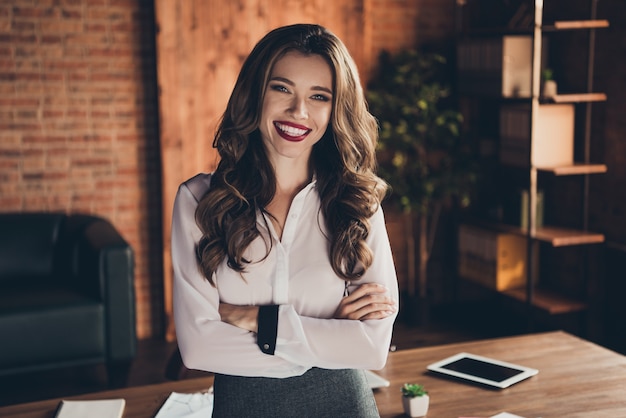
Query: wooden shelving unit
[532, 294]
[559, 237]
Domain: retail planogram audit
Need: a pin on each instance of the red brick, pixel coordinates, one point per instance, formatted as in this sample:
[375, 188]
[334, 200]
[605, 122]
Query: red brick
[65, 65]
[7, 64]
[48, 114]
[63, 26]
[26, 114]
[91, 139]
[109, 52]
[48, 76]
[22, 26]
[19, 102]
[100, 114]
[95, 27]
[34, 12]
[111, 77]
[71, 13]
[20, 126]
[9, 167]
[27, 76]
[18, 39]
[9, 203]
[47, 139]
[51, 39]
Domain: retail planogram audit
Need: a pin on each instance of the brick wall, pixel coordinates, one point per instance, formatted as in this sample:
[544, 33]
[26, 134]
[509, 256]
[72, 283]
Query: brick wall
[77, 122]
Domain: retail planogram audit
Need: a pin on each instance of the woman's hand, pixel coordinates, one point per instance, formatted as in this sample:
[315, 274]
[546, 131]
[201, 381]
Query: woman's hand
[368, 301]
[244, 317]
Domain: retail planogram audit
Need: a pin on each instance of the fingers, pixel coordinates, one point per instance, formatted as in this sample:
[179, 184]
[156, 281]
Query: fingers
[366, 289]
[368, 301]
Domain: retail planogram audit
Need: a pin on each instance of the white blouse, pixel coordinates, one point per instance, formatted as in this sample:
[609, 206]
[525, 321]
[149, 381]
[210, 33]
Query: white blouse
[297, 275]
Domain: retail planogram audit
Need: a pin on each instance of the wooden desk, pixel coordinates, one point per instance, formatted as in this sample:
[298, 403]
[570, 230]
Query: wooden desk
[576, 379]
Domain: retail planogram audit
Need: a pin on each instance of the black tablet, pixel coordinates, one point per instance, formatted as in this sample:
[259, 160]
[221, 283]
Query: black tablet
[484, 370]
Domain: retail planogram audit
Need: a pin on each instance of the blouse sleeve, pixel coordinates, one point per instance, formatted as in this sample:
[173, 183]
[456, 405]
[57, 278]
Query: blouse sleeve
[344, 343]
[205, 342]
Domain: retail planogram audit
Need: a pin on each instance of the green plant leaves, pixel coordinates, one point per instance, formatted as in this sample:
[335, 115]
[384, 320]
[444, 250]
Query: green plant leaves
[421, 151]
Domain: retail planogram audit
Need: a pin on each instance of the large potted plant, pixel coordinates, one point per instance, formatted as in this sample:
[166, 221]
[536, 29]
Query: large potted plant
[421, 154]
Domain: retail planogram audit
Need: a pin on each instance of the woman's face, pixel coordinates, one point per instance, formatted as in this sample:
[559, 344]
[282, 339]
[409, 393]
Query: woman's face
[297, 106]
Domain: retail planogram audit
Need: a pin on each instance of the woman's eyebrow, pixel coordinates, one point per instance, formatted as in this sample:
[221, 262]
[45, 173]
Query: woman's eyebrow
[291, 83]
[322, 88]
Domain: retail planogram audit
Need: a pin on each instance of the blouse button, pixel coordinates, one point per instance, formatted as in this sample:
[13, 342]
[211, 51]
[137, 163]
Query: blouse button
[266, 346]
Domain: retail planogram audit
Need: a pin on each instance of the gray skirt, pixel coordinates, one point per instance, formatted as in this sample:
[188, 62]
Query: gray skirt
[318, 393]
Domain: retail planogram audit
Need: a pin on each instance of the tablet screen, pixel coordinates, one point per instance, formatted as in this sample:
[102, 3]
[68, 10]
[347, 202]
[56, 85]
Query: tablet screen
[483, 370]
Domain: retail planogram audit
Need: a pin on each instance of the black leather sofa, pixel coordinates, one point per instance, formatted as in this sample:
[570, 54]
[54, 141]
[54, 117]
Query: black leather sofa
[66, 293]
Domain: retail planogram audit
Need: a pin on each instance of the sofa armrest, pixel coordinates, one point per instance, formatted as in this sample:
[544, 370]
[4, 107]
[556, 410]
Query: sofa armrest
[113, 264]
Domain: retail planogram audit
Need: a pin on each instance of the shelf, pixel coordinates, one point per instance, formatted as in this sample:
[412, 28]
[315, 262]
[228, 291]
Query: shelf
[576, 98]
[554, 235]
[575, 169]
[549, 302]
[559, 237]
[577, 24]
[496, 32]
[562, 237]
[559, 25]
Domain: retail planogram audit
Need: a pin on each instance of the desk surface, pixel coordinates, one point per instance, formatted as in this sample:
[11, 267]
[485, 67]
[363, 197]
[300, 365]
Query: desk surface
[575, 378]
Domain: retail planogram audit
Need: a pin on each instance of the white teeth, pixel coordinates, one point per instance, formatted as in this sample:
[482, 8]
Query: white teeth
[290, 130]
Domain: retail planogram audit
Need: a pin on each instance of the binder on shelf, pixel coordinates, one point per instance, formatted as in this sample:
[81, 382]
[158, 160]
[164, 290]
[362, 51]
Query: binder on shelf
[515, 209]
[493, 259]
[552, 135]
[523, 219]
[496, 66]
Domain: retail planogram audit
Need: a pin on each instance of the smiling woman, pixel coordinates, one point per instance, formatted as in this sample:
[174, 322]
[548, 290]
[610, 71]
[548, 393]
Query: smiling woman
[284, 282]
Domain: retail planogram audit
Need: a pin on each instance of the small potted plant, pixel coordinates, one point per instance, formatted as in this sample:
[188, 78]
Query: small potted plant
[415, 400]
[549, 84]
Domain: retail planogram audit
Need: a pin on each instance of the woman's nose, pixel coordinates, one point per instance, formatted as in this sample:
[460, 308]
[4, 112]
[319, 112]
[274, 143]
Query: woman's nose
[299, 109]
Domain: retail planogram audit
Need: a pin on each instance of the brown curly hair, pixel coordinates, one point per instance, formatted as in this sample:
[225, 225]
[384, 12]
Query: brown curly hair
[344, 160]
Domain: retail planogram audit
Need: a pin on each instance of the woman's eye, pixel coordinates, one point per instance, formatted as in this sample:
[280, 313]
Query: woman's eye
[320, 97]
[279, 87]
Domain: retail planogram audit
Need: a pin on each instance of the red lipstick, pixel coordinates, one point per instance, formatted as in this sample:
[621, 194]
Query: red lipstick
[291, 131]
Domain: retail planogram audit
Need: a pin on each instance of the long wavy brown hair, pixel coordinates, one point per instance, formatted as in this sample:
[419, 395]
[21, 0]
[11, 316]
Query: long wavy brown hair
[344, 160]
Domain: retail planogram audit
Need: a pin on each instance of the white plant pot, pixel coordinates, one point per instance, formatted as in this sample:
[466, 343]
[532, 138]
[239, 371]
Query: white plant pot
[549, 88]
[415, 407]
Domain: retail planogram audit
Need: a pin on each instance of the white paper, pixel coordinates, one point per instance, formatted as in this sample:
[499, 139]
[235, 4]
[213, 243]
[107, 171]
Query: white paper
[96, 408]
[187, 405]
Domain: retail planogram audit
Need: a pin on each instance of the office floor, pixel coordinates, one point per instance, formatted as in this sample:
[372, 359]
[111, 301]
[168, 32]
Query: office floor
[447, 326]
